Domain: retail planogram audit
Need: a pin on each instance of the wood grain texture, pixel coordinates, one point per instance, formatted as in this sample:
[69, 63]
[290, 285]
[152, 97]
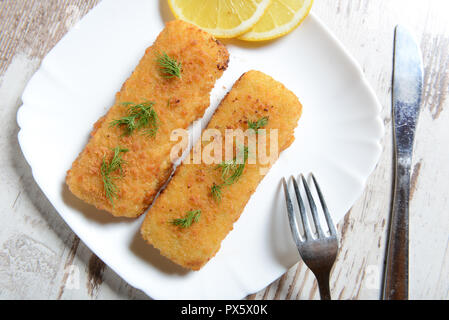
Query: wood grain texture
[41, 258]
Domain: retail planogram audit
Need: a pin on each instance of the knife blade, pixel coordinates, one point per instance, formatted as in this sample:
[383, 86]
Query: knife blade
[406, 99]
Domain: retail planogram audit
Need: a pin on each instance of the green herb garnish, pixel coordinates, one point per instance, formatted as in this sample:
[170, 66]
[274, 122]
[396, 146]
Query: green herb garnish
[140, 116]
[110, 188]
[188, 220]
[216, 192]
[231, 172]
[170, 68]
[256, 125]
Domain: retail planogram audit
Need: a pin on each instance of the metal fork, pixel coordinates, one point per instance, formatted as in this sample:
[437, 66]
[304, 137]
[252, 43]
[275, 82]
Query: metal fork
[318, 251]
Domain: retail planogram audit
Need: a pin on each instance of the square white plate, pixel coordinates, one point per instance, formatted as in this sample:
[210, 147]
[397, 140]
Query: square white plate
[338, 138]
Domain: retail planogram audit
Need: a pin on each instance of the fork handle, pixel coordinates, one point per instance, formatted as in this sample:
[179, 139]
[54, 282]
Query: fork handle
[323, 285]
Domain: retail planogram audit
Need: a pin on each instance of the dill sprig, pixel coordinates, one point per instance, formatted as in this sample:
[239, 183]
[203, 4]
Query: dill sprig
[110, 188]
[256, 125]
[216, 191]
[169, 67]
[188, 220]
[139, 116]
[231, 171]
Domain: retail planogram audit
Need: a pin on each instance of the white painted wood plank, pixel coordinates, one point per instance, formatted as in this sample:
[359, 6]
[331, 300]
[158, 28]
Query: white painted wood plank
[41, 258]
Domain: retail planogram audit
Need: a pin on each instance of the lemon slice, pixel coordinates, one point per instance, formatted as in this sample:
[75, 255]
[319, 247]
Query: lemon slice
[221, 18]
[281, 17]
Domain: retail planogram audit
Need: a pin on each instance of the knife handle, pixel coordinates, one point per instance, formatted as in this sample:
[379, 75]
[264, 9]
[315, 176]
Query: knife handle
[396, 269]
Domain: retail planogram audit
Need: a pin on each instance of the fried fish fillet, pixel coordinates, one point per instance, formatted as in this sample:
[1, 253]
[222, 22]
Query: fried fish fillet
[254, 96]
[177, 102]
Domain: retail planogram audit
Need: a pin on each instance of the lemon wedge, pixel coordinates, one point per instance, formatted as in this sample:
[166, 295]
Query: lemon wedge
[281, 17]
[221, 18]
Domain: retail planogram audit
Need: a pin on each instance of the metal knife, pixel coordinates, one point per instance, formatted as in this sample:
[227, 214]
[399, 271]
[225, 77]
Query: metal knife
[407, 94]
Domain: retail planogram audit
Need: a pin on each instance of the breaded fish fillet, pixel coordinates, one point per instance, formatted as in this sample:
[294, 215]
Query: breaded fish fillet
[253, 97]
[177, 102]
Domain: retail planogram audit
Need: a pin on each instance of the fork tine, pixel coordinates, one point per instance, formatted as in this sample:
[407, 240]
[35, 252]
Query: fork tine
[291, 215]
[313, 208]
[329, 221]
[302, 211]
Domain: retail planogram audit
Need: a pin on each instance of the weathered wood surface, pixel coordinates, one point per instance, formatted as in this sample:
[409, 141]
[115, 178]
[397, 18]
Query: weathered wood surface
[40, 257]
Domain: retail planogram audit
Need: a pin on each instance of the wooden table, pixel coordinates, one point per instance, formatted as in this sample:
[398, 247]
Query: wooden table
[40, 256]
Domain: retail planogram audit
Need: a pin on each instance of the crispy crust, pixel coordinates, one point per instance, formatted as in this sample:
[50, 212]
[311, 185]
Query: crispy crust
[253, 96]
[148, 163]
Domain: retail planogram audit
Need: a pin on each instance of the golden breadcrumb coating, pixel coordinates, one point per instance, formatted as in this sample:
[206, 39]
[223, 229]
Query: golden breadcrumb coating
[178, 102]
[253, 96]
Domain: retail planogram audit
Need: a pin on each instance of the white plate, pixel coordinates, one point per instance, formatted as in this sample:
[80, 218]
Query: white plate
[338, 138]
